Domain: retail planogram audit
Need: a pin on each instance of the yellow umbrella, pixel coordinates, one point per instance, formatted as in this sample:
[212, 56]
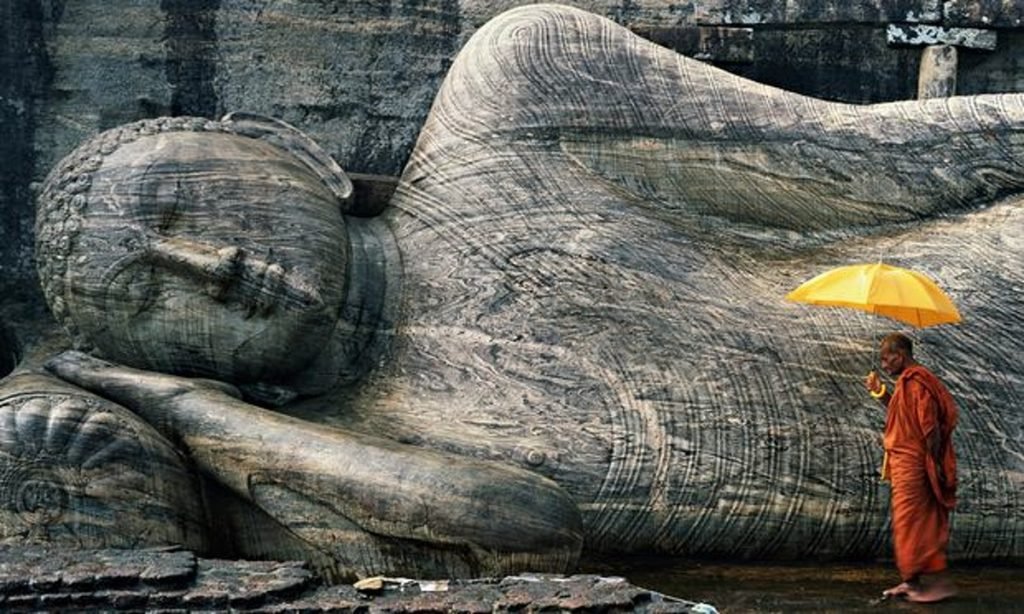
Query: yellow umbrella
[894, 292]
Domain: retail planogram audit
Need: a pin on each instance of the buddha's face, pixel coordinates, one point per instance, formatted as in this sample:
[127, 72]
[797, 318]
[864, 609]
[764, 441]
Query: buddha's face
[206, 253]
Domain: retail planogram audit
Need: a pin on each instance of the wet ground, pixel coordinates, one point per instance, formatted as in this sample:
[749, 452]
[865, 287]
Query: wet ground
[739, 588]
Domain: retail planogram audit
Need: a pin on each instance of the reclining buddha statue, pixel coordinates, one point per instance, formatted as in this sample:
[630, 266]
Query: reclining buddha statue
[565, 330]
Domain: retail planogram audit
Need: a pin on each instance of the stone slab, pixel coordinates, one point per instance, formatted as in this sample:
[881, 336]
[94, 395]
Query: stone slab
[708, 43]
[987, 13]
[36, 577]
[925, 34]
[937, 78]
[775, 12]
[527, 592]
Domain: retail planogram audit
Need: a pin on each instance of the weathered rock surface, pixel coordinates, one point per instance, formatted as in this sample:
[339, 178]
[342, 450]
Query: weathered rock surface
[352, 503]
[586, 259]
[592, 264]
[360, 75]
[597, 235]
[33, 579]
[46, 578]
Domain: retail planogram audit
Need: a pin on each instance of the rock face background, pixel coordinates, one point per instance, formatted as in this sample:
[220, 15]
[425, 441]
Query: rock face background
[359, 76]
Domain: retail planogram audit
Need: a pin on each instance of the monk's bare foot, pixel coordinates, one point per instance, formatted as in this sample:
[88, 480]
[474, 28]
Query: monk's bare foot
[899, 590]
[931, 594]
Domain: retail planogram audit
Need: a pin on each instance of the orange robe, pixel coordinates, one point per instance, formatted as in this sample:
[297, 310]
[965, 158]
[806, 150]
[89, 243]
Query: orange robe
[923, 486]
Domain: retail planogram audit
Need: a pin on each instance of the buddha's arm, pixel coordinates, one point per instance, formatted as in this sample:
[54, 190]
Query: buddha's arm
[382, 487]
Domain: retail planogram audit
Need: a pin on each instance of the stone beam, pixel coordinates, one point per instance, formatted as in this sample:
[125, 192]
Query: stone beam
[927, 34]
[708, 43]
[936, 76]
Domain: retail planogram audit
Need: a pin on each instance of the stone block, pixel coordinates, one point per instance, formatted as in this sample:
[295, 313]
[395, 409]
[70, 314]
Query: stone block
[725, 44]
[850, 63]
[988, 72]
[937, 77]
[740, 12]
[769, 12]
[708, 43]
[926, 34]
[984, 13]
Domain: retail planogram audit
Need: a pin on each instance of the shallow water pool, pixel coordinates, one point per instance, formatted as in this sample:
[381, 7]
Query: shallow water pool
[736, 588]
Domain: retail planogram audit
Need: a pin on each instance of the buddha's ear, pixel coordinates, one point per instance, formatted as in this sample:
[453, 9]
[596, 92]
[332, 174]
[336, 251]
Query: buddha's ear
[297, 143]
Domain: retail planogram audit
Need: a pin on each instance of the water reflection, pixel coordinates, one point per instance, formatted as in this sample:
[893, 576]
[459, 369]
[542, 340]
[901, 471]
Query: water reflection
[809, 587]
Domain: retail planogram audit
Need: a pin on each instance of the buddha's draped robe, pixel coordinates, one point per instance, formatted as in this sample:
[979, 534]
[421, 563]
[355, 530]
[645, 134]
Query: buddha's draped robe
[923, 483]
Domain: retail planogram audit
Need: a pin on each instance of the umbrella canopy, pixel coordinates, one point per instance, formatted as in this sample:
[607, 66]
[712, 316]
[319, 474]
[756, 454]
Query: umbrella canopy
[894, 292]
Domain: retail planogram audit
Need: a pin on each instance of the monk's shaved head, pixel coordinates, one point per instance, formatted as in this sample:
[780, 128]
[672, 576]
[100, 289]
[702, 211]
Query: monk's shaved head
[898, 342]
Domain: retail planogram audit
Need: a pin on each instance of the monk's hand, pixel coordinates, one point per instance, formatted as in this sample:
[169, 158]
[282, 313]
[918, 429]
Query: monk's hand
[876, 388]
[873, 383]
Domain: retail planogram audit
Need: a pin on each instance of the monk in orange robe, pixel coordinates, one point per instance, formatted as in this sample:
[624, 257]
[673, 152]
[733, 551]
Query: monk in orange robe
[921, 466]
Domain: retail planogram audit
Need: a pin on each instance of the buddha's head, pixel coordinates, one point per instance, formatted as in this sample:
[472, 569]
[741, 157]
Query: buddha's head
[195, 247]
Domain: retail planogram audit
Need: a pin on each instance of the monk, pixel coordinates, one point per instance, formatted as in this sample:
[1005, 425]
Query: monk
[920, 465]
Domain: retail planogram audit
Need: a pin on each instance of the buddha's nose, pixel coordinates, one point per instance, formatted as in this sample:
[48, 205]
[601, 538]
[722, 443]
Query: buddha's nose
[231, 272]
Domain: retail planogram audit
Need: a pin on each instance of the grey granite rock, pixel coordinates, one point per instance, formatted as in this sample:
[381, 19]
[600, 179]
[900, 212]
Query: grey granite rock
[583, 267]
[32, 579]
[360, 76]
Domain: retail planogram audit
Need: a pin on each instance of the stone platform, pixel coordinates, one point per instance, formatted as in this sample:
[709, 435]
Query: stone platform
[37, 578]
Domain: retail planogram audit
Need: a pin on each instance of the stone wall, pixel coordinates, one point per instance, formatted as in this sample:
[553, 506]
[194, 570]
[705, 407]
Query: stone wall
[360, 75]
